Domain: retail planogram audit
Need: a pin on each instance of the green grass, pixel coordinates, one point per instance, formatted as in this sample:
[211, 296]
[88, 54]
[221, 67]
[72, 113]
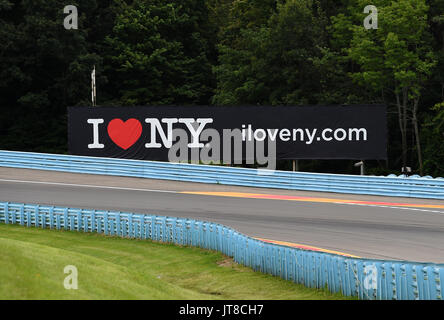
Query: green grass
[32, 263]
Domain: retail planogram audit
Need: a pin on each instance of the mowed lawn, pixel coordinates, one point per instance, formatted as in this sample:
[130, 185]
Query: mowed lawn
[32, 263]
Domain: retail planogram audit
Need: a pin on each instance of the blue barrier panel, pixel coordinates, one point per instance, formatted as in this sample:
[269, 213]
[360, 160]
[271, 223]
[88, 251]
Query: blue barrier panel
[417, 187]
[362, 278]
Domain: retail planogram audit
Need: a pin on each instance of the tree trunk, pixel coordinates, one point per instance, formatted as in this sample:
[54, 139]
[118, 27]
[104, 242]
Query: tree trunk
[402, 128]
[417, 137]
[405, 121]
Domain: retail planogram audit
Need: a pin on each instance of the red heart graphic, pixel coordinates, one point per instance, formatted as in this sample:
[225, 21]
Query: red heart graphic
[125, 134]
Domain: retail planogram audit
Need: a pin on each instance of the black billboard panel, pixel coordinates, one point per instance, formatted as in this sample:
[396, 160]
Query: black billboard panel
[298, 132]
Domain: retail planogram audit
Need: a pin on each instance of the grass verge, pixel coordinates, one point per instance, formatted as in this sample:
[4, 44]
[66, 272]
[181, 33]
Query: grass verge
[32, 263]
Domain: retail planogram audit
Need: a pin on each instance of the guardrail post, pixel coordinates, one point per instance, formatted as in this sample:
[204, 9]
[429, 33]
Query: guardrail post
[124, 225]
[141, 227]
[219, 240]
[14, 216]
[79, 220]
[57, 218]
[164, 230]
[287, 263]
[344, 276]
[43, 222]
[427, 286]
[382, 287]
[111, 218]
[36, 215]
[130, 225]
[191, 232]
[99, 224]
[439, 277]
[291, 265]
[204, 235]
[118, 227]
[51, 218]
[135, 227]
[22, 214]
[6, 213]
[188, 229]
[153, 235]
[65, 218]
[415, 284]
[28, 218]
[71, 223]
[318, 266]
[173, 229]
[397, 281]
[106, 223]
[403, 282]
[93, 221]
[85, 223]
[199, 234]
[145, 226]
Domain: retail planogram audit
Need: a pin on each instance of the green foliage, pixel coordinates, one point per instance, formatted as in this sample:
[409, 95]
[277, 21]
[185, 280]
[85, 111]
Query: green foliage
[398, 54]
[393, 62]
[273, 62]
[43, 69]
[159, 52]
[277, 52]
[433, 138]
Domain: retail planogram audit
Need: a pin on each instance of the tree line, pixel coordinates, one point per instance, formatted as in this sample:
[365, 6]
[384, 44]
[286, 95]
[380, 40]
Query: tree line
[227, 52]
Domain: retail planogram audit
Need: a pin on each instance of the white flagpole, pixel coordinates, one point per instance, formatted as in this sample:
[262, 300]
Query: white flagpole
[93, 87]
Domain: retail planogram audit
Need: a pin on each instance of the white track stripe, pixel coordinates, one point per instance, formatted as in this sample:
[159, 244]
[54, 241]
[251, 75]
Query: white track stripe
[178, 192]
[390, 207]
[89, 186]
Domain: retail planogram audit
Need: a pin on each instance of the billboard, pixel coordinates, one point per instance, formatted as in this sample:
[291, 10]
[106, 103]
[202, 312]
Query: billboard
[229, 133]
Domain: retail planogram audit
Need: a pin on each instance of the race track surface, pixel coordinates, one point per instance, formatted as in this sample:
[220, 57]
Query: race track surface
[376, 227]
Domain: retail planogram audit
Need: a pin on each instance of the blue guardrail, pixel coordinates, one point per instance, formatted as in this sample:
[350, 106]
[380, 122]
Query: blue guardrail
[418, 187]
[363, 278]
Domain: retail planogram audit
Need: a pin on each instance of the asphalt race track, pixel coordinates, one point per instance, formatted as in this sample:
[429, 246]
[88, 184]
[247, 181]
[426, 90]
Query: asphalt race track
[371, 230]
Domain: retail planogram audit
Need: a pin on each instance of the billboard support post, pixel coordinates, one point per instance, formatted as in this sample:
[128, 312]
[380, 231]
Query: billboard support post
[93, 87]
[295, 165]
[361, 165]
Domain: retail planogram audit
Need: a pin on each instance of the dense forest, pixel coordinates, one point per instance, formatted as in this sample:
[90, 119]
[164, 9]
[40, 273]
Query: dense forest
[227, 52]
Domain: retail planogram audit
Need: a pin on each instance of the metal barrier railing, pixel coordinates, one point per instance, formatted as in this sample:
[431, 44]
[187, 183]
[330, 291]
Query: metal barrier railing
[363, 278]
[370, 185]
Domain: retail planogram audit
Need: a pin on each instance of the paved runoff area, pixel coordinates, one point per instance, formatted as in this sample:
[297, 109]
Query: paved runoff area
[352, 225]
